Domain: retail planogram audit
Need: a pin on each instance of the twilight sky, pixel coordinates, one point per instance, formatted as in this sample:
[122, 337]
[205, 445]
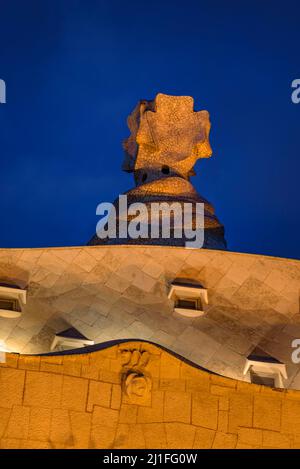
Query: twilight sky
[74, 69]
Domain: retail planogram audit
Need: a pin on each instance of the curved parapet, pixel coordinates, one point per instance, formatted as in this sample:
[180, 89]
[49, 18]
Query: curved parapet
[137, 395]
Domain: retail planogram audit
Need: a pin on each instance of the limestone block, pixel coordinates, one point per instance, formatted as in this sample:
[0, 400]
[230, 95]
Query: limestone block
[11, 360]
[117, 283]
[250, 436]
[205, 410]
[291, 416]
[115, 366]
[153, 269]
[249, 387]
[70, 366]
[39, 423]
[11, 387]
[224, 441]
[198, 259]
[155, 435]
[194, 337]
[43, 389]
[144, 282]
[116, 396]
[180, 435]
[296, 441]
[74, 393]
[267, 412]
[223, 421]
[172, 385]
[275, 440]
[81, 428]
[102, 437]
[51, 262]
[138, 329]
[191, 372]
[110, 376]
[155, 413]
[89, 371]
[129, 436]
[51, 367]
[85, 261]
[35, 444]
[222, 381]
[204, 438]
[198, 385]
[128, 413]
[105, 417]
[4, 417]
[223, 403]
[255, 295]
[169, 366]
[18, 424]
[60, 431]
[240, 411]
[99, 393]
[210, 276]
[10, 443]
[237, 274]
[153, 368]
[244, 446]
[29, 362]
[220, 390]
[177, 407]
[276, 280]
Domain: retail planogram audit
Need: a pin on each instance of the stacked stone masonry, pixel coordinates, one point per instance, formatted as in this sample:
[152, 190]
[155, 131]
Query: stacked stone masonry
[79, 401]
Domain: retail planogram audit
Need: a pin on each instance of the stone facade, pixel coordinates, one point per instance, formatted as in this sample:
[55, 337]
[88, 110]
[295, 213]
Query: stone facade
[121, 292]
[79, 401]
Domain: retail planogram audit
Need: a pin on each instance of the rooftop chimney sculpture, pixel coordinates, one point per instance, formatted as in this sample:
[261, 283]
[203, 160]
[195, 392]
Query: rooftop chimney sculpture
[167, 138]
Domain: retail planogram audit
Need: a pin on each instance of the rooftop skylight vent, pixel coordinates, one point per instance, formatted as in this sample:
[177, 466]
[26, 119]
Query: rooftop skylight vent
[190, 298]
[264, 369]
[12, 300]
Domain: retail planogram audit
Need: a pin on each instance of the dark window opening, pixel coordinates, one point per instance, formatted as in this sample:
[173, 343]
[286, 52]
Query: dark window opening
[264, 380]
[9, 304]
[165, 170]
[144, 177]
[186, 304]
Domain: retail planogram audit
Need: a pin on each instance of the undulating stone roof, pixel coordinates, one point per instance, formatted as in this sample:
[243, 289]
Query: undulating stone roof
[120, 292]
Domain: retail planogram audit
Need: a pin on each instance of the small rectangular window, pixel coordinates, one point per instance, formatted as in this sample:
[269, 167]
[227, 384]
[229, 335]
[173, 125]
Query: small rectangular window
[186, 304]
[9, 304]
[261, 379]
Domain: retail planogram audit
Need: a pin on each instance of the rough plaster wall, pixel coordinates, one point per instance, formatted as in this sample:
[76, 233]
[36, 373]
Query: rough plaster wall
[77, 401]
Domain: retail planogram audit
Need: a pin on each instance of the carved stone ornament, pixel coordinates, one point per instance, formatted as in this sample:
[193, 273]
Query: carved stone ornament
[137, 383]
[134, 358]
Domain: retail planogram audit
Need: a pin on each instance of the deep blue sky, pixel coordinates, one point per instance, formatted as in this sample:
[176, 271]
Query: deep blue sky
[74, 69]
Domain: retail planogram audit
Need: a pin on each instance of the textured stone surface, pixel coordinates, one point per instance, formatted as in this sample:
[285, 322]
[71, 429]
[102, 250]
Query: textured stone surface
[167, 131]
[167, 138]
[84, 412]
[243, 312]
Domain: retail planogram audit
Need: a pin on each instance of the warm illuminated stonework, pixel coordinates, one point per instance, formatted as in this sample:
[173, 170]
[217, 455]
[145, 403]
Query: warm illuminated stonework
[177, 331]
[77, 401]
[167, 138]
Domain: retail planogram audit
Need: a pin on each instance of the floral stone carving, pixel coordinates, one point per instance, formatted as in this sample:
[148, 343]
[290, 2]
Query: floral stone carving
[136, 382]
